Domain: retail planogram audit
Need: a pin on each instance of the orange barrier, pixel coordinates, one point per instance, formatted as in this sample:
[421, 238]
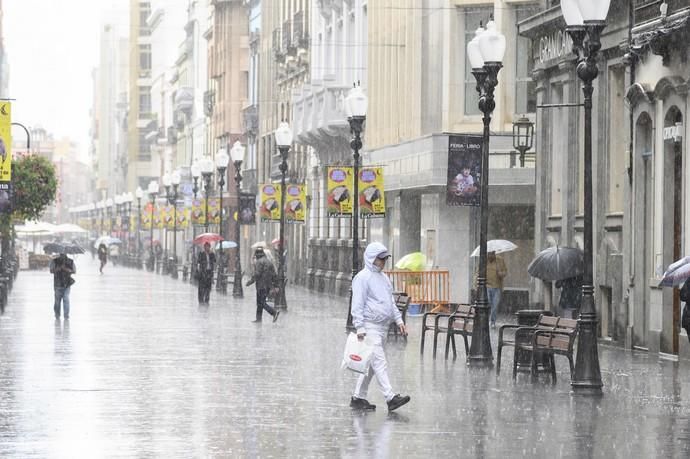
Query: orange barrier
[426, 288]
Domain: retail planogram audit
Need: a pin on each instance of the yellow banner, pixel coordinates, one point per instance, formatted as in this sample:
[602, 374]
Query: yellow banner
[183, 216]
[340, 190]
[5, 143]
[270, 203]
[214, 211]
[372, 199]
[198, 208]
[296, 203]
[169, 217]
[146, 217]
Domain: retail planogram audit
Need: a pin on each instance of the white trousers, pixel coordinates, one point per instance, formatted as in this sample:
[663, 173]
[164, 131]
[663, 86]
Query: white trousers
[376, 336]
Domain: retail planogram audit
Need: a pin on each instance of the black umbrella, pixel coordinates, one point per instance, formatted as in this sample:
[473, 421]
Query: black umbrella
[557, 263]
[58, 247]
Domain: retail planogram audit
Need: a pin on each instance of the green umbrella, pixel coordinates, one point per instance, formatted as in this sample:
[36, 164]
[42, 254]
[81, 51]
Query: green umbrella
[415, 261]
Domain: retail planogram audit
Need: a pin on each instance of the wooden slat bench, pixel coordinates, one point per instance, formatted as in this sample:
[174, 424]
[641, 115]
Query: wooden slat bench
[460, 323]
[438, 322]
[551, 336]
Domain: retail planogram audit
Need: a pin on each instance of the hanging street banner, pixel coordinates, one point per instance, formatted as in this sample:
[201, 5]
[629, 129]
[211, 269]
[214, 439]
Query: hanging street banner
[5, 157]
[198, 207]
[269, 209]
[214, 211]
[372, 199]
[183, 216]
[169, 217]
[146, 216]
[247, 211]
[296, 203]
[340, 185]
[463, 187]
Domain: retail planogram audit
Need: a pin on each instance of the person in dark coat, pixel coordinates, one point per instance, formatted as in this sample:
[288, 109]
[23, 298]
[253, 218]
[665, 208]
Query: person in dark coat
[265, 277]
[685, 297]
[62, 268]
[206, 266]
[102, 256]
[571, 295]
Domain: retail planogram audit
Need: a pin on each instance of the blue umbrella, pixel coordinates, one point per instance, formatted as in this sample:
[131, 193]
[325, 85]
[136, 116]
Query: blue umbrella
[226, 245]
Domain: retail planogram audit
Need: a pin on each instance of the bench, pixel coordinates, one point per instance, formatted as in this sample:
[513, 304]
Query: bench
[460, 323]
[434, 321]
[551, 336]
[402, 302]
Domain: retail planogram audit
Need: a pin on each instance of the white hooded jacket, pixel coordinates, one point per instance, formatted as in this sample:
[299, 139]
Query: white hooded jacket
[372, 294]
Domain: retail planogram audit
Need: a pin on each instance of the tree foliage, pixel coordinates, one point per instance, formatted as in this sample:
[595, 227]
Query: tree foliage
[34, 186]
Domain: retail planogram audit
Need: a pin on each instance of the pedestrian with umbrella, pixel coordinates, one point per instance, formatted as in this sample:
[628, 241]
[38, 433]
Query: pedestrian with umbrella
[496, 271]
[678, 273]
[102, 256]
[206, 266]
[62, 267]
[565, 266]
[265, 278]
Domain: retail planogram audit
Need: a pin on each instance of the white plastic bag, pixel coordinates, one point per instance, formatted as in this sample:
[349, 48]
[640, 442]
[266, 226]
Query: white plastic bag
[357, 356]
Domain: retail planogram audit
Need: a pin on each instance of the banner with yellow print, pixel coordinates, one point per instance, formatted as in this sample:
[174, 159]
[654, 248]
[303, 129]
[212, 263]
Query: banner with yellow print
[269, 210]
[372, 198]
[184, 214]
[5, 156]
[295, 203]
[339, 199]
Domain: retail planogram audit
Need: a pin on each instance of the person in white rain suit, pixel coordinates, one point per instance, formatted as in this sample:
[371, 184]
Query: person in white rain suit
[373, 310]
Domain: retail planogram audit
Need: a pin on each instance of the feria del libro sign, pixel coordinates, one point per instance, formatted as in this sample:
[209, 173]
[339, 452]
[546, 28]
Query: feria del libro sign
[554, 45]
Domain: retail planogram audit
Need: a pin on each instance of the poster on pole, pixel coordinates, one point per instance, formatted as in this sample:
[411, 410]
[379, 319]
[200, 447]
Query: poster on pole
[463, 187]
[214, 211]
[247, 211]
[146, 216]
[340, 184]
[183, 216]
[5, 157]
[198, 207]
[295, 203]
[169, 217]
[269, 210]
[372, 199]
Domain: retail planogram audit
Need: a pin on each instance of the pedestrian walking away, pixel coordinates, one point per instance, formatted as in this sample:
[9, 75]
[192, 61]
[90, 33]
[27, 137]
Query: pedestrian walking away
[373, 310]
[265, 278]
[206, 266]
[62, 267]
[102, 256]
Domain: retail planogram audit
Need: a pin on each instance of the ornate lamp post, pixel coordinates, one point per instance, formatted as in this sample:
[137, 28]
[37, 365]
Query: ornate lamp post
[585, 21]
[196, 173]
[284, 140]
[111, 214]
[100, 208]
[356, 108]
[222, 160]
[176, 179]
[237, 154]
[167, 182]
[128, 198]
[139, 193]
[115, 228]
[206, 167]
[153, 191]
[523, 137]
[485, 53]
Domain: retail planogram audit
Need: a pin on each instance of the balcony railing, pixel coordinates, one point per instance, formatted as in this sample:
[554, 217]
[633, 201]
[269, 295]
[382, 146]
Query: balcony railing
[647, 10]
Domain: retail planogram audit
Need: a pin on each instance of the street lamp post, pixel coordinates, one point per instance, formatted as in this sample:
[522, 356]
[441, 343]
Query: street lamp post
[167, 181]
[196, 173]
[356, 109]
[206, 167]
[176, 179]
[237, 154]
[523, 135]
[139, 193]
[111, 214]
[222, 160]
[284, 140]
[485, 52]
[585, 20]
[153, 191]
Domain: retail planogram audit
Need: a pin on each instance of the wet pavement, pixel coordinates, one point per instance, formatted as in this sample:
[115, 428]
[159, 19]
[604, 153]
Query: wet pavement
[141, 370]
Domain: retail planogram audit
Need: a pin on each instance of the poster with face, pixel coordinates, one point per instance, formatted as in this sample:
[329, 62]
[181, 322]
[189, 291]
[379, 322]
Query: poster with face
[463, 187]
[295, 203]
[247, 212]
[372, 199]
[269, 210]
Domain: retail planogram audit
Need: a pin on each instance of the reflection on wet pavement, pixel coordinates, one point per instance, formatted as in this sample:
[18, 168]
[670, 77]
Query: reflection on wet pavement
[143, 371]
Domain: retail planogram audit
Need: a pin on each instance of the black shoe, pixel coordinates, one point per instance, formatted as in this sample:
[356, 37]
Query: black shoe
[275, 315]
[361, 404]
[397, 401]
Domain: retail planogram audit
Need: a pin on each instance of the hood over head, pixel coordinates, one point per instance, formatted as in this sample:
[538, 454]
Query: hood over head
[372, 251]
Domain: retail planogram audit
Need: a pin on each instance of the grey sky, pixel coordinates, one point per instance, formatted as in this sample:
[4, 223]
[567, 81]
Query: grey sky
[52, 47]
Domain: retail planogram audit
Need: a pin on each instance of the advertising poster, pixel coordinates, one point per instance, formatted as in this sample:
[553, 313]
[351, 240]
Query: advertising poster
[372, 200]
[464, 170]
[5, 157]
[146, 217]
[183, 216]
[247, 213]
[340, 184]
[158, 217]
[169, 217]
[214, 211]
[295, 203]
[198, 206]
[269, 210]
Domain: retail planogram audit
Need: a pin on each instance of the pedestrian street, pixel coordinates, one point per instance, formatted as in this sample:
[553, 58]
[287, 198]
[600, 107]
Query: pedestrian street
[141, 370]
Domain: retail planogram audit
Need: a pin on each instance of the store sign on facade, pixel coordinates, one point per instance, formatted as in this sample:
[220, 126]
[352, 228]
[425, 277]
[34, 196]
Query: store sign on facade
[553, 46]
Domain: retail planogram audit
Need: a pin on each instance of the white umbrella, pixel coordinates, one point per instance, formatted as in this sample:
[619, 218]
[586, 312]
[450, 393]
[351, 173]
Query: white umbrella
[261, 244]
[36, 229]
[69, 228]
[677, 273]
[497, 246]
